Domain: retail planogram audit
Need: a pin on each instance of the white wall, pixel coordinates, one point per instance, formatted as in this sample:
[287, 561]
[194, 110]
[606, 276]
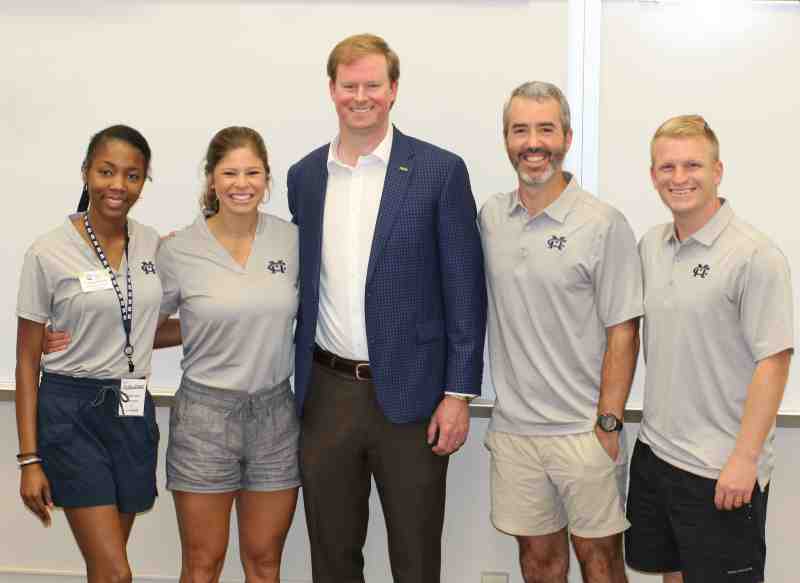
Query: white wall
[181, 69]
[736, 64]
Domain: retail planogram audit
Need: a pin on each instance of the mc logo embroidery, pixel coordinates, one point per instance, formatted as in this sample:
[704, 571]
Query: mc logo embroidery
[556, 242]
[277, 266]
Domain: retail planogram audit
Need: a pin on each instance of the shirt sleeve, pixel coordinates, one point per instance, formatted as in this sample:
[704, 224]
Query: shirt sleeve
[165, 266]
[766, 304]
[618, 274]
[34, 301]
[462, 283]
[483, 218]
[642, 253]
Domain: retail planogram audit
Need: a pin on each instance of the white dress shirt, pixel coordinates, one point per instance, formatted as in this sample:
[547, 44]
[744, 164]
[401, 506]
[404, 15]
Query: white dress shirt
[352, 200]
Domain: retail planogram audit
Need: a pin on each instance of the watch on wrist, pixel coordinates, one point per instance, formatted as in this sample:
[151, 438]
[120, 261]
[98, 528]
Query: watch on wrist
[609, 422]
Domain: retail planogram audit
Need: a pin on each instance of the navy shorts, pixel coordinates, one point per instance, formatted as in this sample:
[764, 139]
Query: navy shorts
[676, 527]
[91, 456]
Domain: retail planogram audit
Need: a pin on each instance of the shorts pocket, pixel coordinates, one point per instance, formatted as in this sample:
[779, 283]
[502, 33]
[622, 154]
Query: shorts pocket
[488, 441]
[739, 550]
[192, 421]
[285, 424]
[59, 458]
[592, 436]
[175, 409]
[150, 420]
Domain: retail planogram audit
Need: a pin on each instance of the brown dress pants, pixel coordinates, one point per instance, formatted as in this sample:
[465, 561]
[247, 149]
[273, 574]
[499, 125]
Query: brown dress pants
[346, 440]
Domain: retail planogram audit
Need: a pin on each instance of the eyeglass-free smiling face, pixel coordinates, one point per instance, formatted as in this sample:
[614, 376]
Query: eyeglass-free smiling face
[363, 95]
[686, 176]
[535, 142]
[240, 181]
[115, 178]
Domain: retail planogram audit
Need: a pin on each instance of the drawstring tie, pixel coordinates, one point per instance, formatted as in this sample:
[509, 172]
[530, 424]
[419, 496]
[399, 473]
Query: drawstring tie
[244, 408]
[122, 396]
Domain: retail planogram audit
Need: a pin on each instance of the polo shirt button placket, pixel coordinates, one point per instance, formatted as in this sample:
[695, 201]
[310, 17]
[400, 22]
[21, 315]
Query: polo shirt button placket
[676, 262]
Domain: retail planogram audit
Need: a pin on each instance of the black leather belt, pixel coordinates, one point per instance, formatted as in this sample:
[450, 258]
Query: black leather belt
[358, 369]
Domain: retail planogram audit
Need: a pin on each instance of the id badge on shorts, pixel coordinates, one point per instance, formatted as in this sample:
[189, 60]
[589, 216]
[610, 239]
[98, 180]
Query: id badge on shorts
[94, 280]
[132, 397]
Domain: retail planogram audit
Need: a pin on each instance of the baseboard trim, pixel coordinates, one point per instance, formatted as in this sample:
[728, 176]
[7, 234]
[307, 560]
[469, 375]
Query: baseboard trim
[22, 575]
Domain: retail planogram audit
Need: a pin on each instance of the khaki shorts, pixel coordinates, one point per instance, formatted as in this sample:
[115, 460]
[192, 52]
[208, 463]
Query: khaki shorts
[541, 484]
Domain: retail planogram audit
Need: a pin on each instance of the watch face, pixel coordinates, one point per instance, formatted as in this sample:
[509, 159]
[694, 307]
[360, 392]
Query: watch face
[608, 422]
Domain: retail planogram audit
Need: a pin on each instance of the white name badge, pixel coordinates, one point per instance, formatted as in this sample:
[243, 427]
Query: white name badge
[95, 280]
[132, 395]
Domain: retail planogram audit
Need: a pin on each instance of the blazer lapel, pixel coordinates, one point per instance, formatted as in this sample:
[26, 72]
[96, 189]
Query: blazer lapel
[395, 187]
[316, 219]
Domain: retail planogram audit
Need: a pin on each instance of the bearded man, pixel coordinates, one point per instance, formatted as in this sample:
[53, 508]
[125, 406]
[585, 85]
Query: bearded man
[565, 297]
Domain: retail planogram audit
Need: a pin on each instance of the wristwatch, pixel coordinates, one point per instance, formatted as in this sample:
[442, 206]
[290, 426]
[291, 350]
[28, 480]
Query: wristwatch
[609, 422]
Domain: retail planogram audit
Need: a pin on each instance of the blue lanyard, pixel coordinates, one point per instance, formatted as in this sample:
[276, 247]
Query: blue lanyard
[125, 309]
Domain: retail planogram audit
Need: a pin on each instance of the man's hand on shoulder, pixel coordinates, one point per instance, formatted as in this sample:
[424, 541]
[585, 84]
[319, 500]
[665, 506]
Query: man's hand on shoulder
[736, 482]
[450, 422]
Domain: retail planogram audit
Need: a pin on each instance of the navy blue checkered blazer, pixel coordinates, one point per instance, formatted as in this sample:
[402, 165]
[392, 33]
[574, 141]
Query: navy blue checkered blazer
[425, 296]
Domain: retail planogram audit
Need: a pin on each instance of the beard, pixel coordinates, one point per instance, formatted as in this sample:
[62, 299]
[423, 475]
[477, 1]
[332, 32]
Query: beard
[554, 164]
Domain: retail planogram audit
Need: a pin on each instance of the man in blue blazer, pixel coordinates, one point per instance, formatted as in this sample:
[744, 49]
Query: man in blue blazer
[390, 332]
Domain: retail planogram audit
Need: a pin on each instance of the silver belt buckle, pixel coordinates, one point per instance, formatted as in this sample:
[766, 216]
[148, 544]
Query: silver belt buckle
[358, 371]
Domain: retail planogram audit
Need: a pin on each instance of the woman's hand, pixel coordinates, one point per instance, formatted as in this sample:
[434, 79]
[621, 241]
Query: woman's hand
[35, 491]
[34, 486]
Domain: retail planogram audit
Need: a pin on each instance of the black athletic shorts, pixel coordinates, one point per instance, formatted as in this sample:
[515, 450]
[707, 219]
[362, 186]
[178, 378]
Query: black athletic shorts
[676, 527]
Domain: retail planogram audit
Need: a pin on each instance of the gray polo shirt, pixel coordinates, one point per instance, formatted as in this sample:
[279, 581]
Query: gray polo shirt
[50, 290]
[556, 281]
[236, 322]
[715, 304]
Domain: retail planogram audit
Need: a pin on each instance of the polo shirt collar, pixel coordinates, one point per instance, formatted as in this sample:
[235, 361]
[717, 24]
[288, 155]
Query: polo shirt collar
[559, 208]
[709, 232]
[380, 153]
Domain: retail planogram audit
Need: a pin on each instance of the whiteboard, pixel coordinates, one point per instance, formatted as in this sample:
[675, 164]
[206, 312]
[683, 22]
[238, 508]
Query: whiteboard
[737, 65]
[180, 70]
